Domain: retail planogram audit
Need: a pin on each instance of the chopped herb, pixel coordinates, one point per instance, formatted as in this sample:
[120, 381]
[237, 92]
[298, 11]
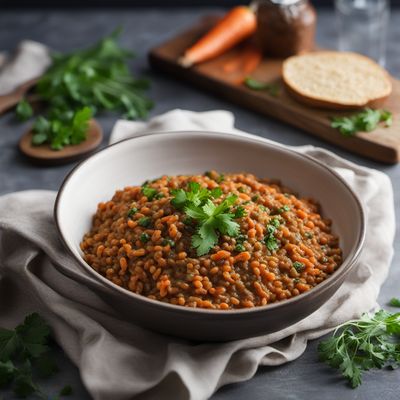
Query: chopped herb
[275, 222]
[308, 235]
[360, 345]
[149, 192]
[220, 178]
[240, 247]
[298, 266]
[365, 121]
[159, 195]
[169, 242]
[271, 88]
[270, 240]
[395, 302]
[255, 198]
[240, 212]
[23, 352]
[245, 203]
[217, 192]
[241, 189]
[65, 391]
[144, 221]
[283, 209]
[263, 208]
[23, 110]
[325, 259]
[132, 212]
[195, 195]
[144, 237]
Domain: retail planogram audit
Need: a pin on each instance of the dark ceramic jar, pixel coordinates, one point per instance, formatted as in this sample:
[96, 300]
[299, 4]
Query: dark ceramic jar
[285, 27]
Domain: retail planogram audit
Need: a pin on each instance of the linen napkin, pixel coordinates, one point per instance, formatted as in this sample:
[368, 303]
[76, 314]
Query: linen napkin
[29, 61]
[121, 361]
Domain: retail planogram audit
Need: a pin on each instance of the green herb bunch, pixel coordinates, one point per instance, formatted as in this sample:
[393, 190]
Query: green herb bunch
[80, 84]
[24, 355]
[373, 341]
[212, 219]
[365, 121]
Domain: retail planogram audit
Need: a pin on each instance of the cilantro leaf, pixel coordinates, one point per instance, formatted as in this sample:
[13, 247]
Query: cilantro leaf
[34, 334]
[45, 366]
[179, 199]
[212, 219]
[394, 302]
[370, 342]
[149, 192]
[7, 371]
[65, 391]
[9, 343]
[23, 110]
[365, 121]
[240, 212]
[270, 88]
[270, 240]
[24, 385]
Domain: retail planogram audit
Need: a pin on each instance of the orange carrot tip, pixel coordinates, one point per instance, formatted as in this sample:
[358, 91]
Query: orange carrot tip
[238, 24]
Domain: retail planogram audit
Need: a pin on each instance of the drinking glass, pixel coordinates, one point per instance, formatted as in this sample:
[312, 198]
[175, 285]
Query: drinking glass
[362, 26]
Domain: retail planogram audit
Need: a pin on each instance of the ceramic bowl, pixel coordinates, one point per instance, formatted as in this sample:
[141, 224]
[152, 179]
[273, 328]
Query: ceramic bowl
[133, 161]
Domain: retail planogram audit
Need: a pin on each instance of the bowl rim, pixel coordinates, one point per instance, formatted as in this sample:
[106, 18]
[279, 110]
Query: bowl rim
[344, 269]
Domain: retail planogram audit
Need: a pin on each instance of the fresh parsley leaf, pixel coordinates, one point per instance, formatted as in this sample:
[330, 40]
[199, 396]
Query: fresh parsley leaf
[220, 178]
[298, 266]
[240, 212]
[394, 302]
[9, 343]
[239, 247]
[7, 371]
[212, 219]
[217, 192]
[144, 221]
[149, 192]
[271, 242]
[179, 199]
[34, 334]
[132, 211]
[45, 366]
[144, 237]
[66, 391]
[169, 242]
[365, 121]
[370, 342]
[270, 88]
[24, 352]
[24, 385]
[23, 110]
[61, 129]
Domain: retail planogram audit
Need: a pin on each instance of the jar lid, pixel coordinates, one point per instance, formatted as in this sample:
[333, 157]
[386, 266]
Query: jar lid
[284, 2]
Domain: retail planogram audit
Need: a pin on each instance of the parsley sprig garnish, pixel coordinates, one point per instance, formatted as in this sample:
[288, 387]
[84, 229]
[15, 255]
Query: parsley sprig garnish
[365, 121]
[212, 219]
[24, 354]
[394, 302]
[373, 341]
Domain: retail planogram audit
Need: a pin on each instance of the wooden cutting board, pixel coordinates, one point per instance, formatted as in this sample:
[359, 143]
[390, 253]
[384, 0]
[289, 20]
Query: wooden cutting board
[383, 144]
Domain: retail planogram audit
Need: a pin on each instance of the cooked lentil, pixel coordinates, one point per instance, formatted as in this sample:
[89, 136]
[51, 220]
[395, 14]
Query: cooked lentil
[143, 244]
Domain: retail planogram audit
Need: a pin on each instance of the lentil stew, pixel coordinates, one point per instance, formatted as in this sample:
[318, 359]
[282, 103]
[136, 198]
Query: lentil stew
[212, 241]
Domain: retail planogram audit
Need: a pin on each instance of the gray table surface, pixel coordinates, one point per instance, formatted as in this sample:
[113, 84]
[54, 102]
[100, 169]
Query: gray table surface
[144, 28]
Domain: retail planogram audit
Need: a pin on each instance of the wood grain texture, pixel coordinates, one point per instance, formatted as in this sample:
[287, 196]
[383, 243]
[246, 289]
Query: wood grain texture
[44, 155]
[383, 144]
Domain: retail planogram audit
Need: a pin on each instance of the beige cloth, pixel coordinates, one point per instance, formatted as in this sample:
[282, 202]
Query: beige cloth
[30, 61]
[121, 361]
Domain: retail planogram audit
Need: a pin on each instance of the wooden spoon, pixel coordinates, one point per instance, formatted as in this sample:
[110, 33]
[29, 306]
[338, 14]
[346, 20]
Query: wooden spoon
[12, 99]
[44, 155]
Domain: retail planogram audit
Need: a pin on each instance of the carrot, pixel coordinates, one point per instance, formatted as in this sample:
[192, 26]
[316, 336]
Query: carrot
[238, 24]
